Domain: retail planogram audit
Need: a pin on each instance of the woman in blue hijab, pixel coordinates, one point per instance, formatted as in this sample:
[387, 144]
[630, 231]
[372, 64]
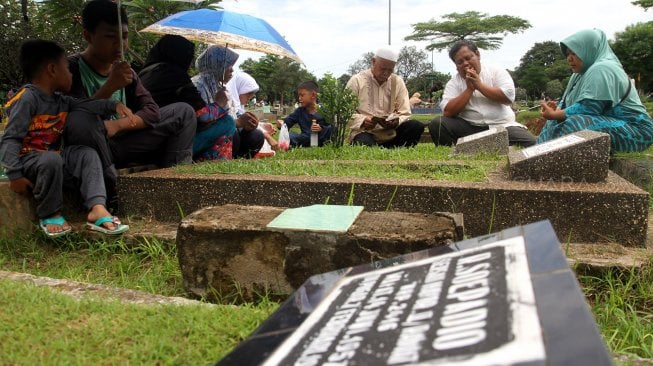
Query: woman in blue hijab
[598, 97]
[165, 75]
[215, 66]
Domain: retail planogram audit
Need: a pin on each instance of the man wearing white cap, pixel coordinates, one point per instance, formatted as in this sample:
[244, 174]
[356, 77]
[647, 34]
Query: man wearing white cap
[383, 115]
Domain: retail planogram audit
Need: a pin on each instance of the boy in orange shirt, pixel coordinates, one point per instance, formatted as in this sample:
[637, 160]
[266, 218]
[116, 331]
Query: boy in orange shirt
[31, 151]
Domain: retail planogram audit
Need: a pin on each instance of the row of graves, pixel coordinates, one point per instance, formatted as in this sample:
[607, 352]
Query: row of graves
[367, 286]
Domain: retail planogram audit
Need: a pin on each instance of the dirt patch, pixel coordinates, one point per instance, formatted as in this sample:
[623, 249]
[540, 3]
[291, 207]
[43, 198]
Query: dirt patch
[535, 125]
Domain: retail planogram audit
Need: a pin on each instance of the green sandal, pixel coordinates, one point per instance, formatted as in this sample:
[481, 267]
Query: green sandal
[57, 221]
[97, 225]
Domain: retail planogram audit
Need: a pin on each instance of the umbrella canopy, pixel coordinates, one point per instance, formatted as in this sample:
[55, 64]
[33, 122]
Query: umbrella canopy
[225, 28]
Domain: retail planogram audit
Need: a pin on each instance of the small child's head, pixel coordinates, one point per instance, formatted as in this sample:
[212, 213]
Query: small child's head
[45, 62]
[307, 93]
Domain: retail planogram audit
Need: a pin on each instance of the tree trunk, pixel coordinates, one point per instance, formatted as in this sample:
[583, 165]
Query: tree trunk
[23, 7]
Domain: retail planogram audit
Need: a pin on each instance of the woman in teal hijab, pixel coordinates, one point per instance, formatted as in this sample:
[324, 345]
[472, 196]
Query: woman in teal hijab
[598, 97]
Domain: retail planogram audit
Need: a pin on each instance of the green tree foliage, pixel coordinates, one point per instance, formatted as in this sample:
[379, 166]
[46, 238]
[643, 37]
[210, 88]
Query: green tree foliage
[277, 77]
[634, 47]
[486, 32]
[15, 29]
[142, 13]
[541, 64]
[413, 66]
[428, 84]
[364, 63]
[554, 89]
[337, 105]
[412, 62]
[643, 3]
[63, 18]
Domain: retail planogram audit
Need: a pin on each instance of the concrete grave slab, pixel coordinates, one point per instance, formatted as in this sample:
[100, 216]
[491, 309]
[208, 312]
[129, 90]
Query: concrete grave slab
[508, 298]
[494, 140]
[17, 212]
[583, 156]
[614, 210]
[222, 247]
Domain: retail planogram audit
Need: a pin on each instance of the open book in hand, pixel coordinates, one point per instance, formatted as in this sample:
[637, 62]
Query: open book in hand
[383, 120]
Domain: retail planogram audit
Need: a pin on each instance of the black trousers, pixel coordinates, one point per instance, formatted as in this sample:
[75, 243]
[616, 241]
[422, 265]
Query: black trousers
[447, 131]
[246, 144]
[167, 143]
[408, 134]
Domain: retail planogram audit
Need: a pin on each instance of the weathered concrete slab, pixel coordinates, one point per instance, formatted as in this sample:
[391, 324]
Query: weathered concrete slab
[83, 290]
[614, 210]
[492, 141]
[16, 212]
[228, 249]
[579, 157]
[638, 171]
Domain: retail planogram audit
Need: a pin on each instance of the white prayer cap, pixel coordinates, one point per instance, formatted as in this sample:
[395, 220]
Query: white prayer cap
[387, 52]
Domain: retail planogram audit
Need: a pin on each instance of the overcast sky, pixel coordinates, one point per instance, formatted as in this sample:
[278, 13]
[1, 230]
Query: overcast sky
[330, 35]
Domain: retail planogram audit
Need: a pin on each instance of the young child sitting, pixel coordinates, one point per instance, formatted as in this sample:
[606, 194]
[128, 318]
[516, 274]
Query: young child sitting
[305, 115]
[31, 150]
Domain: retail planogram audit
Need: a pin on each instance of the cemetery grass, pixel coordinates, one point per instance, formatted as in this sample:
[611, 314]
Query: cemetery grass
[95, 331]
[41, 326]
[622, 304]
[425, 161]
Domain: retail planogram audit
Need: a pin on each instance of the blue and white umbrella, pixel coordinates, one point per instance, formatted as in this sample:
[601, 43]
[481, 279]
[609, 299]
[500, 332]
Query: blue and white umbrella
[225, 28]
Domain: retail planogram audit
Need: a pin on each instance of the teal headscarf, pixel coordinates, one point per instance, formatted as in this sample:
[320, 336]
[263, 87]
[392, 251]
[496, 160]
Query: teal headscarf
[602, 76]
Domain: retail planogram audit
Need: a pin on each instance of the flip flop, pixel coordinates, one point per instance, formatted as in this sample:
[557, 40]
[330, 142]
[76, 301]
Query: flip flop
[57, 221]
[97, 226]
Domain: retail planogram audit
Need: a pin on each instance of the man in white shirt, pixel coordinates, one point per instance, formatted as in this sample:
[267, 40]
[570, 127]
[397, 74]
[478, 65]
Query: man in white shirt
[383, 115]
[476, 98]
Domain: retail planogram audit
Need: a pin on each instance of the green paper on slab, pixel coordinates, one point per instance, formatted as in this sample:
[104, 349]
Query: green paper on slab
[317, 218]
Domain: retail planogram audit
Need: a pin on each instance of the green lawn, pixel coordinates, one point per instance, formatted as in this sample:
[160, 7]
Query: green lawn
[38, 326]
[42, 327]
[425, 161]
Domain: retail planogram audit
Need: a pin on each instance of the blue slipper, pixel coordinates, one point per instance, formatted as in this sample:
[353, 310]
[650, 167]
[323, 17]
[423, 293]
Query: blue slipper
[57, 221]
[97, 226]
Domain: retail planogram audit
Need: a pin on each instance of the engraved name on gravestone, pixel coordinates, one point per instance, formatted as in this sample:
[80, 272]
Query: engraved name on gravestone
[579, 157]
[492, 140]
[474, 307]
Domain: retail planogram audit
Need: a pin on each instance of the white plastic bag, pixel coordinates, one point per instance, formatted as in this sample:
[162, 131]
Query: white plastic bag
[266, 149]
[284, 138]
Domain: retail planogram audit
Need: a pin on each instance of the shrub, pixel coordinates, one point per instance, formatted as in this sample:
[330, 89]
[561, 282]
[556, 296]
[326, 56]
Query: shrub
[337, 105]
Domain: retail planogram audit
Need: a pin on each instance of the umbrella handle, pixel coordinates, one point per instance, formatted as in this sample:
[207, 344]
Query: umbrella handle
[122, 52]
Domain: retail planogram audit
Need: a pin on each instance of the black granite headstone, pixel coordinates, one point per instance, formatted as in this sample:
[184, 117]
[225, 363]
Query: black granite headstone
[507, 298]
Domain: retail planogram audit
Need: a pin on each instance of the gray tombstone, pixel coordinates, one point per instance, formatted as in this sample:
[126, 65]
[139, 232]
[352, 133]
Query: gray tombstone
[492, 140]
[582, 156]
[508, 298]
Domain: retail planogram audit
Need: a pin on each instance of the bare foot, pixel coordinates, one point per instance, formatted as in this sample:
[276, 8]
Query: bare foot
[100, 211]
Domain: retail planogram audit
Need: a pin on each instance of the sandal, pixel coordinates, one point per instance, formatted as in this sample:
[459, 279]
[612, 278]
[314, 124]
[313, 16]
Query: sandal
[97, 225]
[56, 221]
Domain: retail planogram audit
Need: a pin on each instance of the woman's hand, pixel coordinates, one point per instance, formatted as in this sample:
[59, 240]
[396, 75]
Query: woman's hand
[221, 98]
[247, 121]
[269, 128]
[550, 111]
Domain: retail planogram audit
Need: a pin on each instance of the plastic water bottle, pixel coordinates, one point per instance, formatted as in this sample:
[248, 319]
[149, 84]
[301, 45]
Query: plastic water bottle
[314, 141]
